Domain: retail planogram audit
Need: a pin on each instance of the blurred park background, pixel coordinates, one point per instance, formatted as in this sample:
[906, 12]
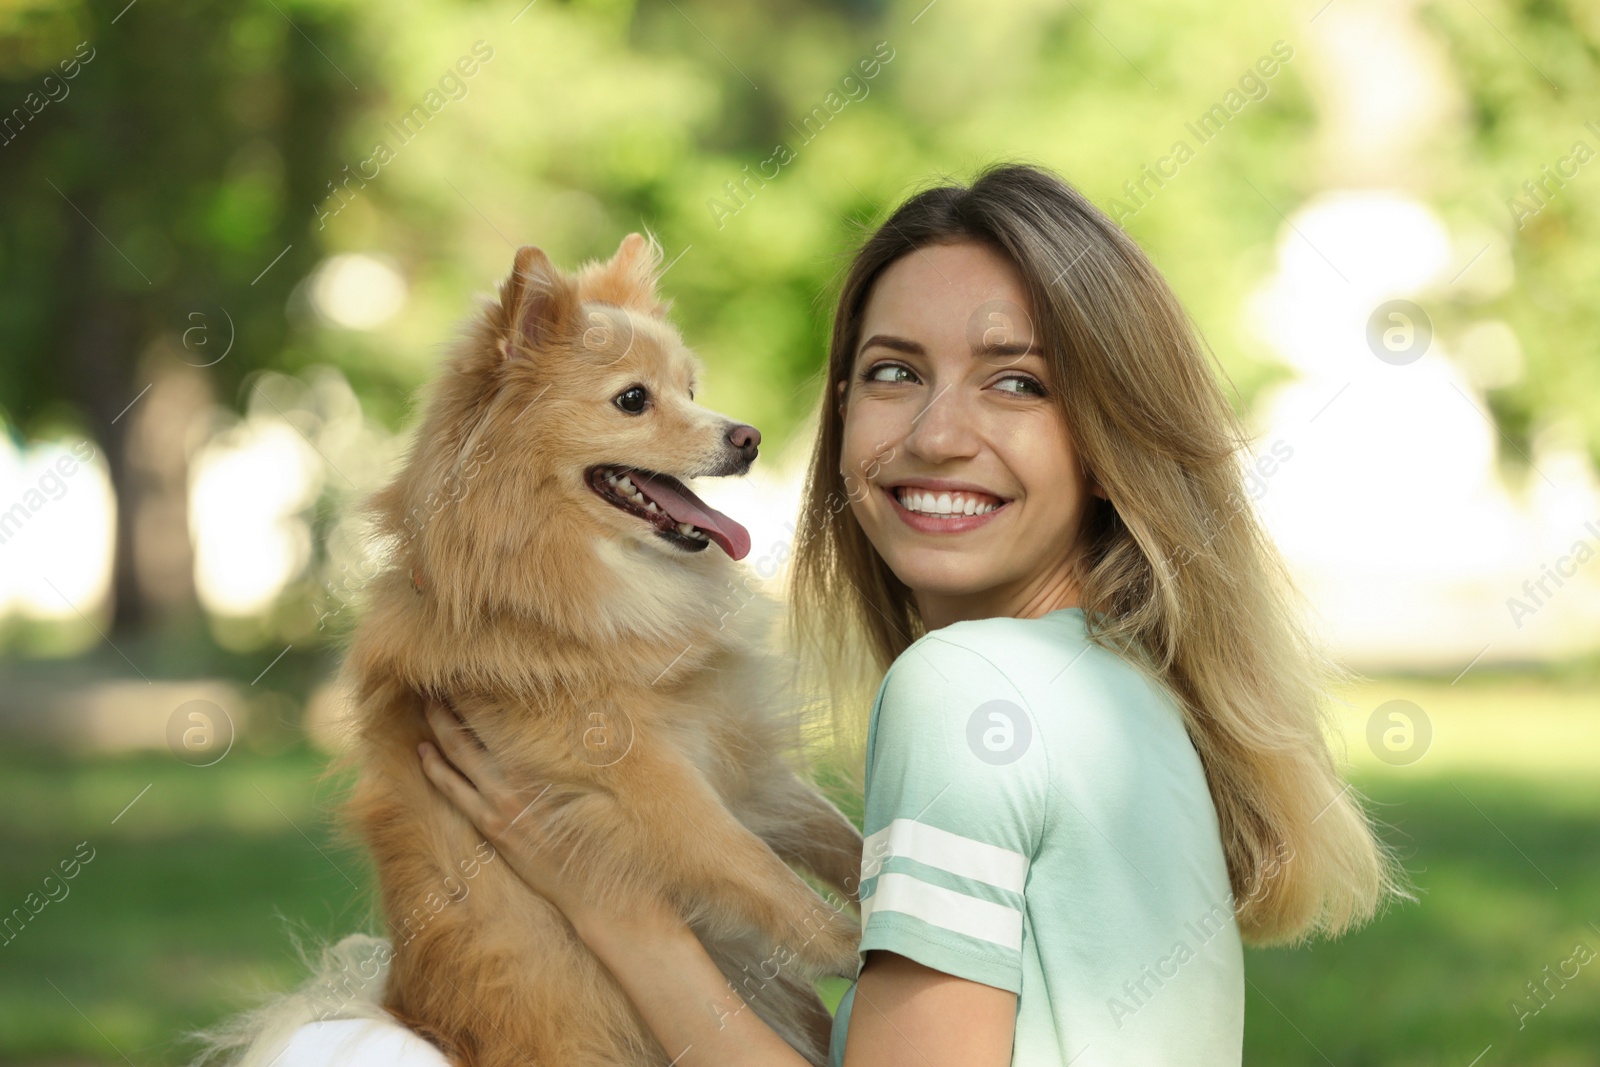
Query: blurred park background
[235, 237]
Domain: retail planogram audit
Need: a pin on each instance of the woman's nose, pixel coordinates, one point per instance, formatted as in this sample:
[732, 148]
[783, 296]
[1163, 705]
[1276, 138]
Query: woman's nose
[943, 429]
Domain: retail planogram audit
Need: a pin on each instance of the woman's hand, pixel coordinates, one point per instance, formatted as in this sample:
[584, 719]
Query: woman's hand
[514, 817]
[682, 995]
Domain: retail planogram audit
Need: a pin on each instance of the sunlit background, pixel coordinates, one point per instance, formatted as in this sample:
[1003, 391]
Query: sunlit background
[237, 237]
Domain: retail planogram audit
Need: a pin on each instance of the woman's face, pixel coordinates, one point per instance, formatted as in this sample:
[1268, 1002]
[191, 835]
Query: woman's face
[959, 464]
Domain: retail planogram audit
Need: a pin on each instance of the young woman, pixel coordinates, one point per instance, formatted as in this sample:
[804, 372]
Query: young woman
[1096, 760]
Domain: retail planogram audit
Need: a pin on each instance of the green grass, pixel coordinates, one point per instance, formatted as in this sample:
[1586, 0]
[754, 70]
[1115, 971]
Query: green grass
[1432, 982]
[187, 909]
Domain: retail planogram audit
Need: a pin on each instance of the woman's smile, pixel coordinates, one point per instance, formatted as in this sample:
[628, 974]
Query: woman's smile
[942, 506]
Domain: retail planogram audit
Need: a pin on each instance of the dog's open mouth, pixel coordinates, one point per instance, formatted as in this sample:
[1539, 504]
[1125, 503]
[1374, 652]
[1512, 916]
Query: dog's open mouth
[680, 518]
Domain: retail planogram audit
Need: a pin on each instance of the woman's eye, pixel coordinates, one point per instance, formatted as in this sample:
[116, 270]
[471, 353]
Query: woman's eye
[632, 399]
[889, 372]
[1021, 385]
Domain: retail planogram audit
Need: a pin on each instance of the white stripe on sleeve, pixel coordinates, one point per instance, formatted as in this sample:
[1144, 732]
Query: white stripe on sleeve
[945, 908]
[964, 857]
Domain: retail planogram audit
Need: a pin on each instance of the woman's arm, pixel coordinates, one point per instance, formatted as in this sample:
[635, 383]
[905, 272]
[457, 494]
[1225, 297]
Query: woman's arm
[904, 1012]
[683, 998]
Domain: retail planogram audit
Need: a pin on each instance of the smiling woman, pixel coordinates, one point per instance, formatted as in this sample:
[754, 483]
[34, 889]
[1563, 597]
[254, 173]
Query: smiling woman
[1050, 433]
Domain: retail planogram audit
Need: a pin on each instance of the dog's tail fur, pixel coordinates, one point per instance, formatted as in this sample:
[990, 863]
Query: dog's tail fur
[347, 982]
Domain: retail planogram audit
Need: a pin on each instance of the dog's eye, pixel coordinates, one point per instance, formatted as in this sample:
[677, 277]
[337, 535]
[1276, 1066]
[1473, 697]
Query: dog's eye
[632, 399]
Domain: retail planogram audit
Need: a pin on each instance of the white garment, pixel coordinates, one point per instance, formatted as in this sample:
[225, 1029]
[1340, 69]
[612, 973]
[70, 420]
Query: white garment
[358, 1043]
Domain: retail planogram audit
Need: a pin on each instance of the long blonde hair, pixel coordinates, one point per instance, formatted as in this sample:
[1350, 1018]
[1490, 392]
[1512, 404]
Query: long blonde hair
[1175, 571]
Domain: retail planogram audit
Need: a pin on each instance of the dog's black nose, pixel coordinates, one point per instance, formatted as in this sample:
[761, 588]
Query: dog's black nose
[741, 441]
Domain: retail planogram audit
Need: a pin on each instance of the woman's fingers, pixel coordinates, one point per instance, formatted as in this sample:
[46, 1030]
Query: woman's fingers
[456, 787]
[459, 746]
[515, 820]
[466, 727]
[468, 774]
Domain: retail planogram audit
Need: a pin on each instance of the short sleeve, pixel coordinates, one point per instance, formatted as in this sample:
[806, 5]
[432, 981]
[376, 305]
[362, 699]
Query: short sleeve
[956, 790]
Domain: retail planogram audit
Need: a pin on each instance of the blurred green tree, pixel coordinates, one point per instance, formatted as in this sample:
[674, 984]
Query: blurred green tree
[203, 140]
[156, 162]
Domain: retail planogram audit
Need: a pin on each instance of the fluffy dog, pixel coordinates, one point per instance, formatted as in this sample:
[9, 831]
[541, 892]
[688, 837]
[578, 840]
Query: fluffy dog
[551, 575]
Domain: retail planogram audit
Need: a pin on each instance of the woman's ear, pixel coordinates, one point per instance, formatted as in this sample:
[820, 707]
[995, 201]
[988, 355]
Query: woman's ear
[838, 392]
[1095, 487]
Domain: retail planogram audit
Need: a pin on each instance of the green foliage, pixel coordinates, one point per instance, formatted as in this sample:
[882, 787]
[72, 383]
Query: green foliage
[1529, 74]
[758, 143]
[201, 144]
[160, 183]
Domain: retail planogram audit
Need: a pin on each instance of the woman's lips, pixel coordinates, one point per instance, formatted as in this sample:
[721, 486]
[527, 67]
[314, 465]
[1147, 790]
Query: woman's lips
[925, 523]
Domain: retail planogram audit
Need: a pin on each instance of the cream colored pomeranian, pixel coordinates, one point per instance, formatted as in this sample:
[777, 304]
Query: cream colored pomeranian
[551, 574]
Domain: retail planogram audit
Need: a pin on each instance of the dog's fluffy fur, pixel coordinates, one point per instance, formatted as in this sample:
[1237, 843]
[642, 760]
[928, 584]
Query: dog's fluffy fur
[593, 649]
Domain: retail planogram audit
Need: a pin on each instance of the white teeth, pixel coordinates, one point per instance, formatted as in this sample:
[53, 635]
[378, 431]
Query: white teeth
[953, 504]
[625, 488]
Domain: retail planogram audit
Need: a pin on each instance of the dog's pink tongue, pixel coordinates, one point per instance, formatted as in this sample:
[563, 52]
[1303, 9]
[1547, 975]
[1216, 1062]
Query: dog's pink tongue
[681, 504]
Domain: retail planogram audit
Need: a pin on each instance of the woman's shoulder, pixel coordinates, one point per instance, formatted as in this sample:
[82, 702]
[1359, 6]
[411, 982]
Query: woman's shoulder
[1029, 652]
[955, 680]
[1048, 665]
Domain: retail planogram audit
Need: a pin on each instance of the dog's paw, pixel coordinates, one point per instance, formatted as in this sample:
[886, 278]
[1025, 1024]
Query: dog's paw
[829, 942]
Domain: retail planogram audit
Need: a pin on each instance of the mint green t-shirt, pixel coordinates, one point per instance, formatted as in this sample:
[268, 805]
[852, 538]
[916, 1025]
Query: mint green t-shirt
[1037, 819]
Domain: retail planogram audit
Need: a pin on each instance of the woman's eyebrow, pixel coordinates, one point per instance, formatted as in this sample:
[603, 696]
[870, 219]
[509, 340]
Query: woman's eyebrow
[902, 344]
[1013, 348]
[898, 344]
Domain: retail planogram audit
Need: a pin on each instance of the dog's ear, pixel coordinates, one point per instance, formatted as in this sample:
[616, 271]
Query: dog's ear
[538, 305]
[628, 279]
